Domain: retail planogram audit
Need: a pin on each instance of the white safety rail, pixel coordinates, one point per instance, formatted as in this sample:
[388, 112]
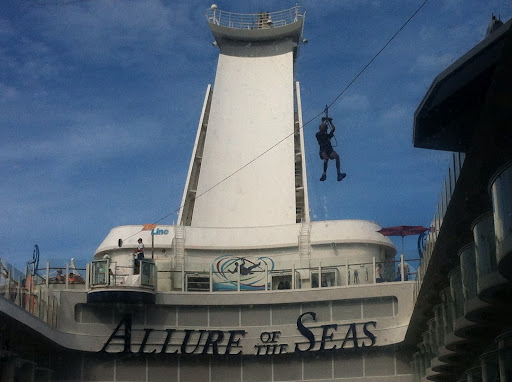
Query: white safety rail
[255, 20]
[437, 221]
[318, 275]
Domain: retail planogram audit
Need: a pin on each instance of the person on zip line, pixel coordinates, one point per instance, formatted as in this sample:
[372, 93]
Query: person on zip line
[326, 151]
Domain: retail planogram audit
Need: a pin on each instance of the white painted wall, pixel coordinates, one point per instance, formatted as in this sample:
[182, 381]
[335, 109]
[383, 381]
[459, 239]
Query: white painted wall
[252, 110]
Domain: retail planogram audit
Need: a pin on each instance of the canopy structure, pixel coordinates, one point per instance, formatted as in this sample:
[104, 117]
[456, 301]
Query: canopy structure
[405, 230]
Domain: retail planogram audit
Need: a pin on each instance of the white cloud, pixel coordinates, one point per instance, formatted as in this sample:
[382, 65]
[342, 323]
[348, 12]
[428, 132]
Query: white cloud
[396, 113]
[121, 32]
[100, 141]
[354, 102]
[8, 93]
[433, 63]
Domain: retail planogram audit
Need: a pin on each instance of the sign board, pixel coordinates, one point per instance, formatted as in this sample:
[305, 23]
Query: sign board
[308, 337]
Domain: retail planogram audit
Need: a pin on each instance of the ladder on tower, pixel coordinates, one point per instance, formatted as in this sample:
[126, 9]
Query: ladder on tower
[179, 255]
[305, 240]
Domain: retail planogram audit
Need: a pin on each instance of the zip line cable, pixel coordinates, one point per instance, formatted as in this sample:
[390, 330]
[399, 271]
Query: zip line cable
[377, 54]
[304, 124]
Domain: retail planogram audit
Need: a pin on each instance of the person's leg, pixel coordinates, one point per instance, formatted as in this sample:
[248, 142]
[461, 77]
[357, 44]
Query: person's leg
[335, 155]
[341, 175]
[325, 157]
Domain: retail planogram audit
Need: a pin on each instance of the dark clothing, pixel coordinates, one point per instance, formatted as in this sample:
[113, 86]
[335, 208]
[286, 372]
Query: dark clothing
[324, 141]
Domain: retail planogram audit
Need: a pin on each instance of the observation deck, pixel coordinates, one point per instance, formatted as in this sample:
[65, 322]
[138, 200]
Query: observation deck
[111, 282]
[262, 26]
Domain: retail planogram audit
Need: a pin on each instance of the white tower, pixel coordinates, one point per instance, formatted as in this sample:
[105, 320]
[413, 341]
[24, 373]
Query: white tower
[248, 163]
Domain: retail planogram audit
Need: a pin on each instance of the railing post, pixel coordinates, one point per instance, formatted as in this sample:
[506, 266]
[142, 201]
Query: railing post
[373, 271]
[402, 276]
[107, 273]
[266, 277]
[53, 315]
[319, 274]
[346, 271]
[48, 306]
[238, 279]
[211, 279]
[31, 295]
[1, 271]
[39, 300]
[293, 275]
[87, 275]
[67, 276]
[20, 297]
[47, 274]
[8, 282]
[183, 278]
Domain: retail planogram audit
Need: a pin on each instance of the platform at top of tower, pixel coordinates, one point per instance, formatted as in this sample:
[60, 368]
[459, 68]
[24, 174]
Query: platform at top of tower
[262, 26]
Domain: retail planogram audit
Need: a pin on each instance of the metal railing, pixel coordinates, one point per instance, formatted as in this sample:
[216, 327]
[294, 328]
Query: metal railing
[29, 292]
[437, 221]
[259, 20]
[318, 275]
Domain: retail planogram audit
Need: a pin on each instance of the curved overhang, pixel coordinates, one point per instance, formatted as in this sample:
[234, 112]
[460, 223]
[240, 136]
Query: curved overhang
[445, 118]
[121, 295]
[85, 336]
[245, 238]
[223, 33]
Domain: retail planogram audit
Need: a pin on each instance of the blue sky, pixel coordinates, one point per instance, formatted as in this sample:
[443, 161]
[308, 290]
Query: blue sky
[100, 100]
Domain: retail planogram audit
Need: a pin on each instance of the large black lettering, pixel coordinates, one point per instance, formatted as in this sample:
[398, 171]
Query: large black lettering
[167, 340]
[213, 339]
[233, 341]
[305, 332]
[326, 336]
[185, 344]
[145, 341]
[369, 334]
[351, 330]
[126, 337]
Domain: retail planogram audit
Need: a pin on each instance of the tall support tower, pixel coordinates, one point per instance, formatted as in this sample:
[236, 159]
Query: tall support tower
[248, 164]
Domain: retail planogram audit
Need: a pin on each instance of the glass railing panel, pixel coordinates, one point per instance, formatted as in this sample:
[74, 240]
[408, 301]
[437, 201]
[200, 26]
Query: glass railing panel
[474, 374]
[362, 273]
[485, 246]
[457, 295]
[107, 273]
[99, 272]
[432, 335]
[230, 276]
[490, 366]
[147, 273]
[199, 282]
[504, 342]
[501, 189]
[425, 355]
[427, 347]
[448, 310]
[467, 260]
[417, 369]
[439, 327]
